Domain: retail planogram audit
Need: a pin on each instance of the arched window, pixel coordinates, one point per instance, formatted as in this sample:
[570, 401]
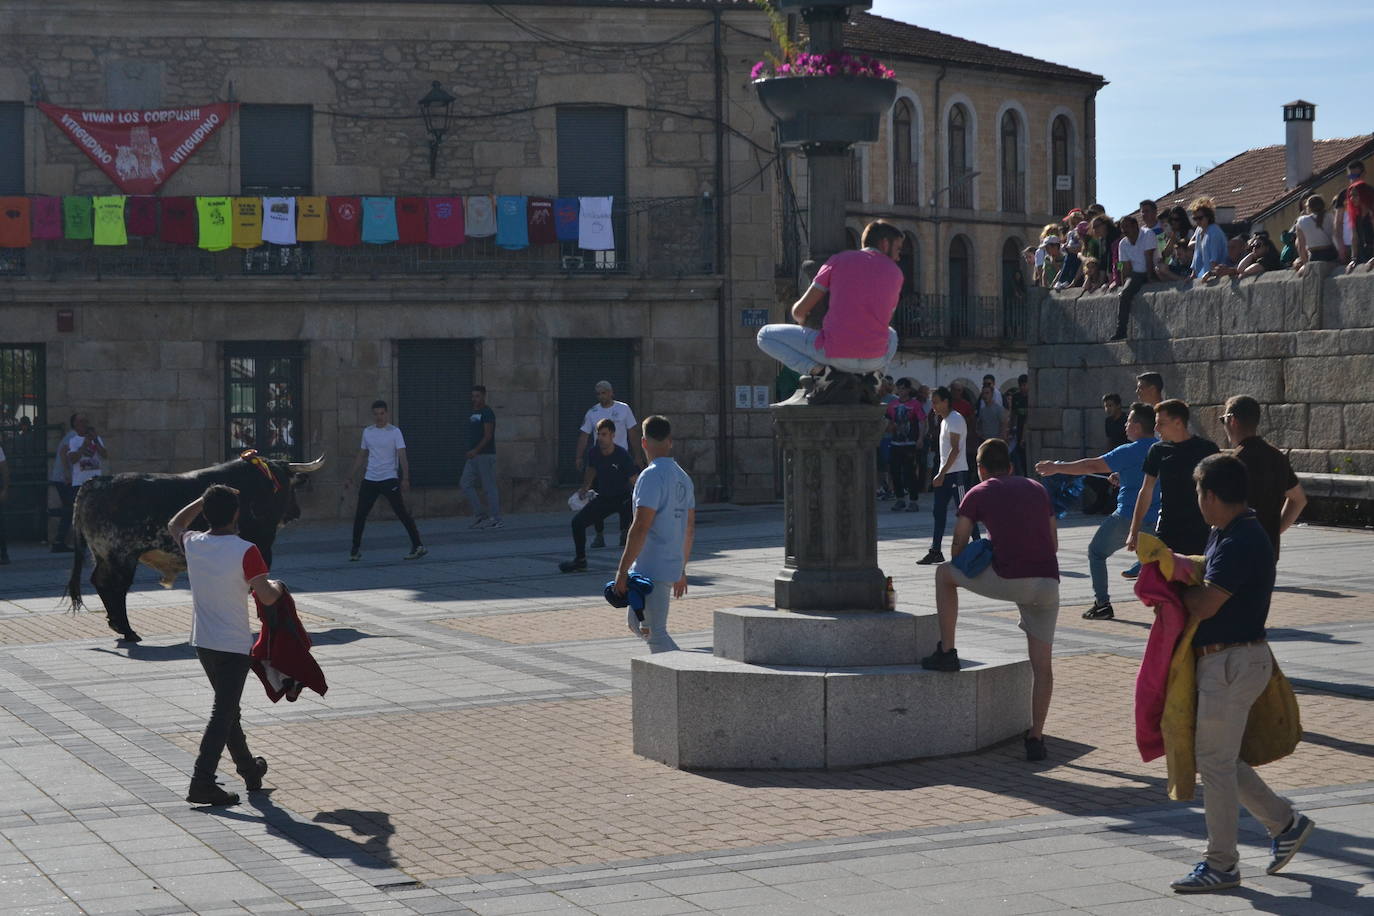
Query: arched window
[1061, 161]
[961, 287]
[909, 320]
[1013, 167]
[961, 189]
[911, 266]
[904, 178]
[854, 177]
[1013, 290]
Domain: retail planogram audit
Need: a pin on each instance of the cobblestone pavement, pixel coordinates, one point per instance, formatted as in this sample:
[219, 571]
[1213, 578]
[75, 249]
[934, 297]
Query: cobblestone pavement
[472, 754]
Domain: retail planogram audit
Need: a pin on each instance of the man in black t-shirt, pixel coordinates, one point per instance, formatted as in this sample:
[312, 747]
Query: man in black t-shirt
[613, 471]
[1114, 423]
[1171, 462]
[1234, 666]
[1275, 493]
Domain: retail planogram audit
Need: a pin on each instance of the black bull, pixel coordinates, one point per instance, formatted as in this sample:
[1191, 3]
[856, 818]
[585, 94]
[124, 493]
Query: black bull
[123, 519]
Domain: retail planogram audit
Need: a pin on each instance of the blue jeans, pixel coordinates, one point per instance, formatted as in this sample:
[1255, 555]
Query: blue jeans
[1110, 537]
[481, 468]
[954, 487]
[795, 347]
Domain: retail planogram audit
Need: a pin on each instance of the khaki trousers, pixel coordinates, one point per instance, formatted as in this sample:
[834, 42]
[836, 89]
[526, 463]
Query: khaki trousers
[1228, 683]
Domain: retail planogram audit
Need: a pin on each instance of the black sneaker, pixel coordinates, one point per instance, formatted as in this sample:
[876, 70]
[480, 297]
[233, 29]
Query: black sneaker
[1101, 610]
[940, 660]
[210, 795]
[252, 781]
[577, 564]
[1035, 748]
[931, 558]
[599, 541]
[899, 505]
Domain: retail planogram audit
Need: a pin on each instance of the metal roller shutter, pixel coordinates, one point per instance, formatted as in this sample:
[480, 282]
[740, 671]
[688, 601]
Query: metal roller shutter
[11, 148]
[434, 384]
[275, 148]
[581, 364]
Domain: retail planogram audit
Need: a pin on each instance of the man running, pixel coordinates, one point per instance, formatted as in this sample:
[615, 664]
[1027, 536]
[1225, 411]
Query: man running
[383, 450]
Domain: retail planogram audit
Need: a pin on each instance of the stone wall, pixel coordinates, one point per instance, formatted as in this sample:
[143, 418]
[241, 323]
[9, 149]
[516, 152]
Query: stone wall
[1303, 347]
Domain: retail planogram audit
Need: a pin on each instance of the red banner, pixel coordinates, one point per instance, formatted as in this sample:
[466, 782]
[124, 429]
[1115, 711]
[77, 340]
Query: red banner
[140, 150]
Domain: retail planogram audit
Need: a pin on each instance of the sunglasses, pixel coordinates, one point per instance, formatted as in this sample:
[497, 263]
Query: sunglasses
[1224, 417]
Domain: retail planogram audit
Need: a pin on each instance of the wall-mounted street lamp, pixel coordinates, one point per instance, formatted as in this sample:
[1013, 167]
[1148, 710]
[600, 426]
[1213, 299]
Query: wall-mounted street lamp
[436, 108]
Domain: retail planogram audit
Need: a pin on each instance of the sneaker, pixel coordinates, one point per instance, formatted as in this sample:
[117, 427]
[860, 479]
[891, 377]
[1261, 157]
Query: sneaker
[940, 660]
[1204, 878]
[252, 781]
[884, 495]
[913, 506]
[599, 541]
[577, 564]
[1035, 747]
[1286, 845]
[931, 558]
[416, 553]
[354, 557]
[478, 522]
[1132, 573]
[899, 505]
[1101, 610]
[211, 795]
[494, 523]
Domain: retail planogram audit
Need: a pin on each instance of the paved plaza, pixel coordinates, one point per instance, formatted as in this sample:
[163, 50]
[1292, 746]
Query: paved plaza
[473, 752]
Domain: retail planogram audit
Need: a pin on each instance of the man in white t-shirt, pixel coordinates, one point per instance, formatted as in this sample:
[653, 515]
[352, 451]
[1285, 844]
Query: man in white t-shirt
[223, 569]
[626, 431]
[1135, 256]
[80, 456]
[383, 450]
[951, 475]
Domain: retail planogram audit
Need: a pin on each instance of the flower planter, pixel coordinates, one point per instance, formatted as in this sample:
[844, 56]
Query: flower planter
[827, 109]
[798, 6]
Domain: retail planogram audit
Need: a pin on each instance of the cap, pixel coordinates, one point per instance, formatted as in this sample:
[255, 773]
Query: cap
[604, 385]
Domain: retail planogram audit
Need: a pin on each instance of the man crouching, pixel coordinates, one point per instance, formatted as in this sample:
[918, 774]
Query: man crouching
[1024, 569]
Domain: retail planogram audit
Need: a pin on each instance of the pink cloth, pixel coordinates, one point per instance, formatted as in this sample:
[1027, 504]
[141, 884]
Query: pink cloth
[863, 286]
[1152, 681]
[446, 229]
[47, 217]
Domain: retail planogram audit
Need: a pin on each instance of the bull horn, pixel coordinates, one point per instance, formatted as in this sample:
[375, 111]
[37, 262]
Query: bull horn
[309, 467]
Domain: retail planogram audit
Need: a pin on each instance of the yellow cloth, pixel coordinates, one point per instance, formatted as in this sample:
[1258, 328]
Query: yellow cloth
[310, 219]
[109, 221]
[1274, 727]
[215, 231]
[247, 222]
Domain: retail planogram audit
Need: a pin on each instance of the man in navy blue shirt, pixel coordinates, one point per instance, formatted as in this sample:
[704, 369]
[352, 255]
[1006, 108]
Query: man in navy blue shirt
[1234, 665]
[612, 470]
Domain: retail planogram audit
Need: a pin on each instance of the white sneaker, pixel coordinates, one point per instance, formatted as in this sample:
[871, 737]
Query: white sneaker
[478, 522]
[494, 523]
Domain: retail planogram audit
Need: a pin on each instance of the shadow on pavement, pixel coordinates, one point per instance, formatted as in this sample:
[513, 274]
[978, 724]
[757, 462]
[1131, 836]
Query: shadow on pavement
[182, 651]
[372, 854]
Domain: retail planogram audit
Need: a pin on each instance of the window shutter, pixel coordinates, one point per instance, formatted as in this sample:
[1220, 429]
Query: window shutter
[591, 152]
[581, 364]
[275, 148]
[434, 384]
[11, 148]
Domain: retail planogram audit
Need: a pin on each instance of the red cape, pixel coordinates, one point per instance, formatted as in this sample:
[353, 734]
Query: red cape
[281, 656]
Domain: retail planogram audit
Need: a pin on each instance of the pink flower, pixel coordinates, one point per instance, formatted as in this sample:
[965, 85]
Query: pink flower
[759, 70]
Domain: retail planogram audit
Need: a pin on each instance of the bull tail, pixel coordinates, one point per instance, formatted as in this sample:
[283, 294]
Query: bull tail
[74, 583]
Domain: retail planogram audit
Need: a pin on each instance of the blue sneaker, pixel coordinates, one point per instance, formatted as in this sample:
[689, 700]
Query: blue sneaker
[1204, 878]
[1286, 844]
[1132, 573]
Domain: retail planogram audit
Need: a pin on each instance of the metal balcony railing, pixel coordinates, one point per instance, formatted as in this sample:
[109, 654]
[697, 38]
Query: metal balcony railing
[932, 318]
[904, 187]
[961, 191]
[1014, 193]
[655, 237]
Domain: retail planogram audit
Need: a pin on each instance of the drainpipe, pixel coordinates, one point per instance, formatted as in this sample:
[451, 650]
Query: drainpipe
[723, 402]
[942, 179]
[1090, 147]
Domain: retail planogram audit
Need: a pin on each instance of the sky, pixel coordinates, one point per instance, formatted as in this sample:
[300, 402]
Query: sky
[1193, 84]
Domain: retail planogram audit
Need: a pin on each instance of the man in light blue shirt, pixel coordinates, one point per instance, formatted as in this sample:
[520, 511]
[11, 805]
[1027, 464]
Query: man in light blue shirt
[661, 535]
[1126, 463]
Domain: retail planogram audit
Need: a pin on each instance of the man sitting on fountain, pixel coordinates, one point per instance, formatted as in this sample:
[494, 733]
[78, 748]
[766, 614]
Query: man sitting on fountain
[1024, 570]
[855, 337]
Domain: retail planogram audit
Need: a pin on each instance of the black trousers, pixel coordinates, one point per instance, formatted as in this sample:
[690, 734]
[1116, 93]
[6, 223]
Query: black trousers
[902, 461]
[1123, 309]
[595, 513]
[4, 547]
[227, 671]
[368, 491]
[67, 493]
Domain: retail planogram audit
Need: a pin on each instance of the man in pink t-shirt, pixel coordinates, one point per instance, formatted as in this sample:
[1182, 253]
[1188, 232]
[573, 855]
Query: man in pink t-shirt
[856, 334]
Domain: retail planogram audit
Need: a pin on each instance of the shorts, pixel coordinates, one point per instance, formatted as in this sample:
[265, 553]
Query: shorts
[884, 453]
[1037, 599]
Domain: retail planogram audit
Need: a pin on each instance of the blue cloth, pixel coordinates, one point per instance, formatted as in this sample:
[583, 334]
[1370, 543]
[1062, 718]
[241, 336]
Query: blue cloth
[1128, 462]
[566, 216]
[1209, 249]
[1240, 561]
[1065, 493]
[665, 488]
[379, 220]
[974, 558]
[512, 223]
[637, 588]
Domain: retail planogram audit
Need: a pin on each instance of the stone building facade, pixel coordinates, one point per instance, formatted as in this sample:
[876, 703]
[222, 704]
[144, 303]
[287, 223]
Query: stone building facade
[160, 346]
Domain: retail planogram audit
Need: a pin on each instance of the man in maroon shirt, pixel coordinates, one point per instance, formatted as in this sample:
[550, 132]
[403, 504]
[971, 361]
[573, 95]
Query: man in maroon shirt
[1024, 570]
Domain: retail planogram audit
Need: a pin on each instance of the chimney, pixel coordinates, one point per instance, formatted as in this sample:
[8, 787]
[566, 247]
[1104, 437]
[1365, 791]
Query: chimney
[1297, 122]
